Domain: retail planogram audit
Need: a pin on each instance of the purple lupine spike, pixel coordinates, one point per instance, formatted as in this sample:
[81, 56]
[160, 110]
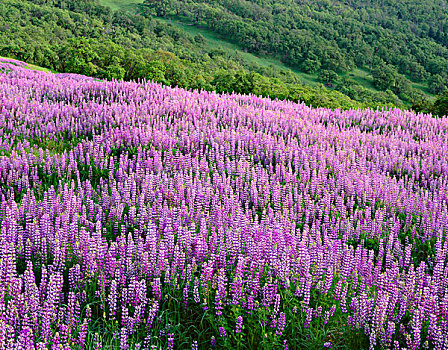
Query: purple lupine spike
[281, 324]
[239, 324]
[222, 332]
[124, 339]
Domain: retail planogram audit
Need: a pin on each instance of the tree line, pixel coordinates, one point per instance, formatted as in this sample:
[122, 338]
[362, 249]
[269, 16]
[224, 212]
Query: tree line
[397, 42]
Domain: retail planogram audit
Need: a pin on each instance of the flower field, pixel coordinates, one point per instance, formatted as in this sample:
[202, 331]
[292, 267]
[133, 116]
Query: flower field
[137, 216]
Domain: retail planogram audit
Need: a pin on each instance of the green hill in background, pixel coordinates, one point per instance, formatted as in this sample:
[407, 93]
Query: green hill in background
[303, 55]
[406, 39]
[358, 83]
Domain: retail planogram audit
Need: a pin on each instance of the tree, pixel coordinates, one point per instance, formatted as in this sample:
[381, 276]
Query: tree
[417, 71]
[328, 77]
[199, 39]
[161, 7]
[441, 105]
[77, 56]
[437, 84]
[421, 104]
[311, 66]
[402, 86]
[243, 82]
[384, 76]
[43, 55]
[223, 81]
[114, 70]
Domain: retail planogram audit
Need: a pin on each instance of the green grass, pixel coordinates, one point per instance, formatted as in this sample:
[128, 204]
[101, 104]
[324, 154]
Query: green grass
[32, 66]
[215, 41]
[41, 69]
[423, 87]
[119, 4]
[362, 77]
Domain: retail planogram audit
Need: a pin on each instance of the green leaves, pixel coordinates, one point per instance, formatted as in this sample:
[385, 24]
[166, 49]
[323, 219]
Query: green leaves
[441, 105]
[78, 56]
[384, 76]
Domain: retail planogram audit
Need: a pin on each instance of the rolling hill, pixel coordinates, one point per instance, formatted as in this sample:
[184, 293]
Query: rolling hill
[356, 82]
[86, 38]
[403, 46]
[134, 40]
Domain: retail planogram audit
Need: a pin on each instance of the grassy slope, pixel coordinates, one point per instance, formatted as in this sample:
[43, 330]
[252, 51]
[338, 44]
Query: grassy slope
[214, 41]
[42, 69]
[362, 77]
[119, 4]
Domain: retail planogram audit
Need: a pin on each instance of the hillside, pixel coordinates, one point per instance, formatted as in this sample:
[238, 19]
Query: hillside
[213, 40]
[86, 38]
[120, 4]
[401, 44]
[140, 216]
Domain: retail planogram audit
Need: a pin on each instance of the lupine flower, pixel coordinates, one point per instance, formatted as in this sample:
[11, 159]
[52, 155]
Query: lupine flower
[196, 296]
[239, 324]
[170, 345]
[222, 332]
[124, 339]
[97, 341]
[281, 324]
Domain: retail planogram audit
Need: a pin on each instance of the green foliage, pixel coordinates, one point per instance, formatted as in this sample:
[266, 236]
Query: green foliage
[77, 56]
[328, 77]
[89, 39]
[409, 38]
[384, 76]
[199, 39]
[85, 38]
[161, 7]
[421, 104]
[441, 105]
[437, 84]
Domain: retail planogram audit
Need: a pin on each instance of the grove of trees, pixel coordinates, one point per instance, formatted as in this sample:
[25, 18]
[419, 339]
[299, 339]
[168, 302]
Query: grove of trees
[394, 40]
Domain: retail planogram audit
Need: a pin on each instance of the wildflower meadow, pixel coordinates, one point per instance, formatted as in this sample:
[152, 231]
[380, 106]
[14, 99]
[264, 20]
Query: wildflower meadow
[138, 216]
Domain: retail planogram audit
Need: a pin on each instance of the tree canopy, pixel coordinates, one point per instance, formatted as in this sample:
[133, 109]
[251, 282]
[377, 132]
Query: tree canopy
[389, 38]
